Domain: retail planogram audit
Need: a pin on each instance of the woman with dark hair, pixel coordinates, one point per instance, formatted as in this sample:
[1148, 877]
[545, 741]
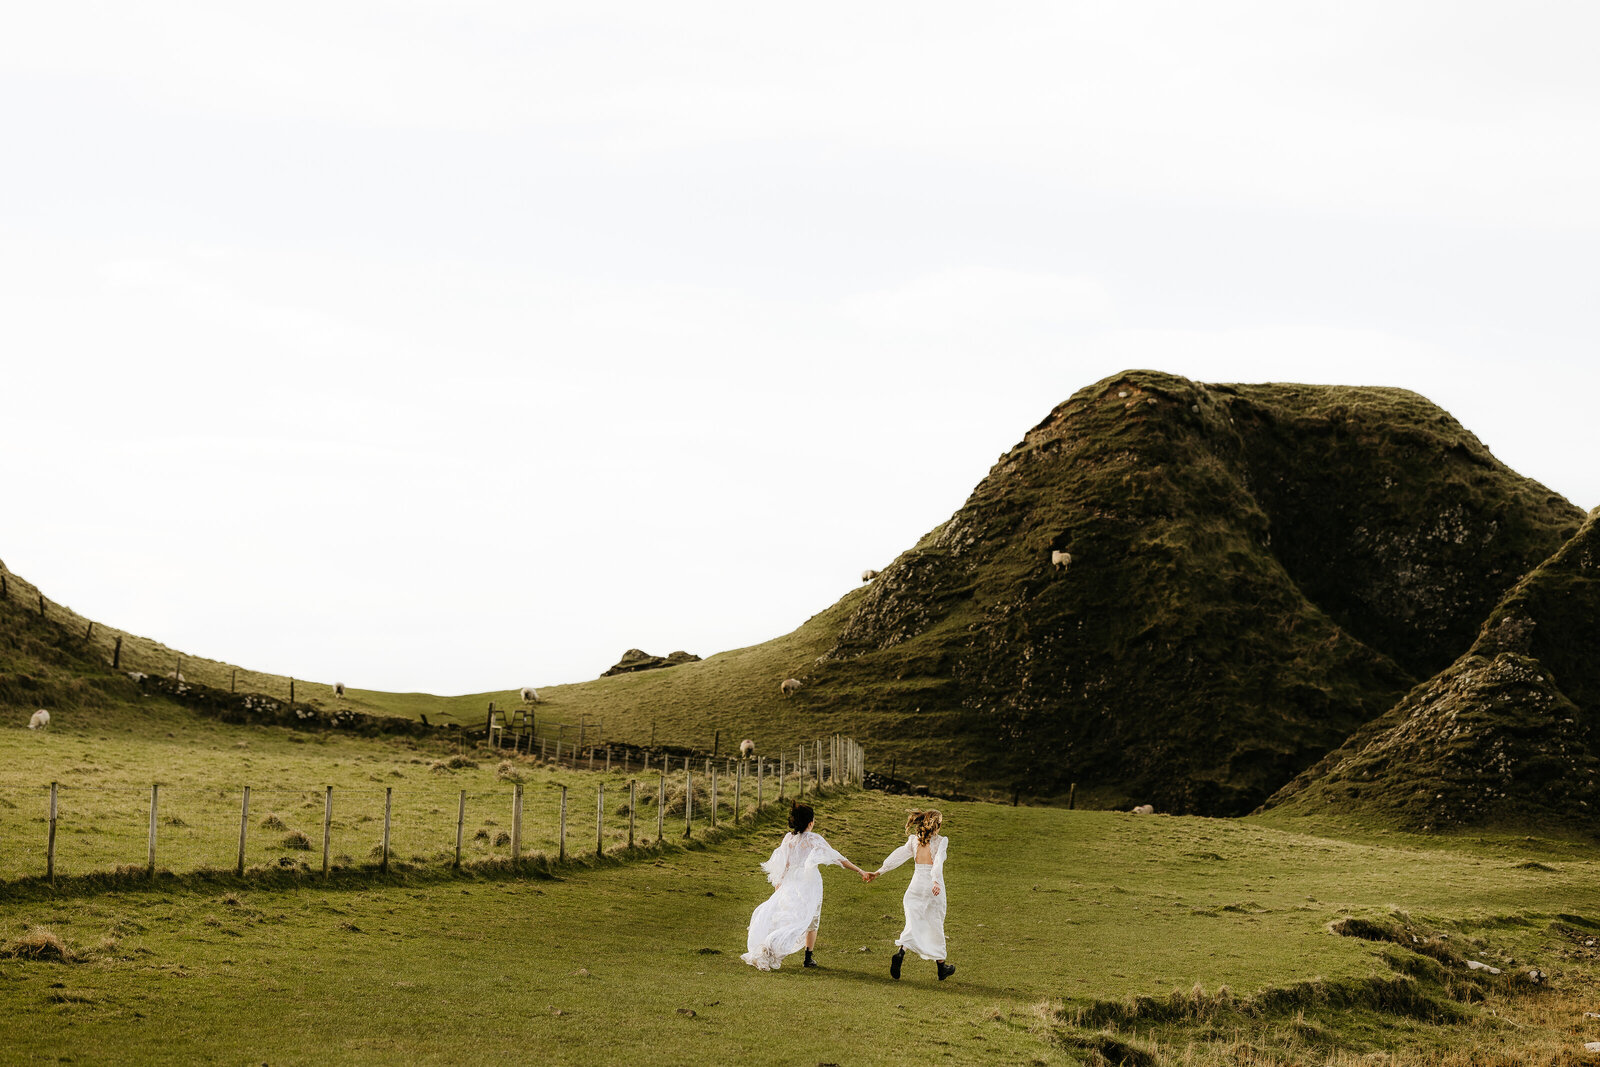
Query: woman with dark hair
[789, 918]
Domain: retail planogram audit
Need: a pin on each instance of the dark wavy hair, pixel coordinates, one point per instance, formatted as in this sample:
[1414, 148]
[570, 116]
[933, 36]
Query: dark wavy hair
[800, 816]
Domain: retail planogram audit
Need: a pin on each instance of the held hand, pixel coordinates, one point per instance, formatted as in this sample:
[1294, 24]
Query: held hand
[936, 889]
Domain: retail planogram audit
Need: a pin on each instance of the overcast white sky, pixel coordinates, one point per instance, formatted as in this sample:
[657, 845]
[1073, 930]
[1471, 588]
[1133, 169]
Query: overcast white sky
[456, 346]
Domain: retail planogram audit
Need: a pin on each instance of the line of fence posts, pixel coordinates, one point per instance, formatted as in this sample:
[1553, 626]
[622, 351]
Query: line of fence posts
[846, 764]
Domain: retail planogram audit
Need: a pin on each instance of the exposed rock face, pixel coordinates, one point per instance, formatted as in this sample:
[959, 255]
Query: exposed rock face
[1509, 732]
[1255, 572]
[637, 660]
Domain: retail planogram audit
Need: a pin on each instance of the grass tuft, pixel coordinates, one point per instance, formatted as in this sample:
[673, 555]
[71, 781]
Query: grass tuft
[39, 943]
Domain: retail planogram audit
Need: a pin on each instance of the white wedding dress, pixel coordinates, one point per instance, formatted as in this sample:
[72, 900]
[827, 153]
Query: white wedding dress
[780, 923]
[924, 932]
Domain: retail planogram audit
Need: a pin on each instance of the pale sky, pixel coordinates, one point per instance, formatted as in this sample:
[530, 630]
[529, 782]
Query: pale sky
[459, 346]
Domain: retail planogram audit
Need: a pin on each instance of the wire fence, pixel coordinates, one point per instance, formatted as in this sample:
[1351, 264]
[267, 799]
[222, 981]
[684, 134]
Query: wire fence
[70, 830]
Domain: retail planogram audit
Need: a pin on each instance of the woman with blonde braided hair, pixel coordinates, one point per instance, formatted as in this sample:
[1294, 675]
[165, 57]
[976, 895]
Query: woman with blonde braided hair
[925, 900]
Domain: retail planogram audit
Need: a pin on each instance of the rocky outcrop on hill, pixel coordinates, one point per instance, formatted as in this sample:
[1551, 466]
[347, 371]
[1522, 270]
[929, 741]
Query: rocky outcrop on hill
[1509, 732]
[1185, 594]
[637, 660]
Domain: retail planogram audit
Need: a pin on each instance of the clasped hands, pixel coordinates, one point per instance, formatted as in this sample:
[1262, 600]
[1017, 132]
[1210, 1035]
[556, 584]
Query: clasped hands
[868, 876]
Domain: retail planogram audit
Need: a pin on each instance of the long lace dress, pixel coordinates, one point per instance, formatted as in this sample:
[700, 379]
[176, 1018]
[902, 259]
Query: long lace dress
[780, 923]
[924, 932]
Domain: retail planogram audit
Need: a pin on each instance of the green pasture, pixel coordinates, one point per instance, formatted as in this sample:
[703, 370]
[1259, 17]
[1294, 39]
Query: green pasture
[1059, 921]
[106, 762]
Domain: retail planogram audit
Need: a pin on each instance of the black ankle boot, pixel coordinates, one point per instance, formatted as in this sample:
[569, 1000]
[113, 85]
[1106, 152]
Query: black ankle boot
[894, 963]
[809, 961]
[945, 969]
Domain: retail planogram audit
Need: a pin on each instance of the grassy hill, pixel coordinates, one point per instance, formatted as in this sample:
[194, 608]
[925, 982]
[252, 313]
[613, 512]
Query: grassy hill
[1256, 572]
[1509, 733]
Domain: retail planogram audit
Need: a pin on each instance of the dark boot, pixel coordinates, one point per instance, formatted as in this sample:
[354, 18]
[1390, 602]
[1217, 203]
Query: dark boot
[945, 969]
[894, 964]
[809, 961]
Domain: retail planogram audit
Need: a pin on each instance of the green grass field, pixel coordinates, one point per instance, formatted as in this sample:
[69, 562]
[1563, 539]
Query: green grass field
[1059, 921]
[106, 764]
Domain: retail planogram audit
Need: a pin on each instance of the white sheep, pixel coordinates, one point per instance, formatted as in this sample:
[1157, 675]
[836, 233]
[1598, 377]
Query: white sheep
[138, 676]
[867, 576]
[338, 689]
[789, 686]
[1059, 558]
[747, 748]
[530, 695]
[40, 718]
[1145, 809]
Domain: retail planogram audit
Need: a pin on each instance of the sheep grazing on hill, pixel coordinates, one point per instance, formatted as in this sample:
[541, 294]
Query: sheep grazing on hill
[529, 695]
[338, 689]
[789, 686]
[747, 748]
[1059, 558]
[40, 718]
[177, 675]
[867, 576]
[1145, 809]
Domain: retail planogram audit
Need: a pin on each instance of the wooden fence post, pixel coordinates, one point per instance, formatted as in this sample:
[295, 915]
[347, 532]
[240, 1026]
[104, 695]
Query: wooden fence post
[819, 764]
[155, 793]
[761, 775]
[600, 819]
[608, 759]
[41, 603]
[688, 800]
[233, 681]
[50, 848]
[388, 806]
[1072, 796]
[244, 824]
[738, 792]
[327, 829]
[661, 807]
[713, 797]
[782, 773]
[633, 806]
[563, 831]
[291, 690]
[516, 824]
[116, 654]
[461, 824]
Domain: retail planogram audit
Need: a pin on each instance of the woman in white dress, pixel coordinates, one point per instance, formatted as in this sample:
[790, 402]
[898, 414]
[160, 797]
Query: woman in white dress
[925, 898]
[789, 918]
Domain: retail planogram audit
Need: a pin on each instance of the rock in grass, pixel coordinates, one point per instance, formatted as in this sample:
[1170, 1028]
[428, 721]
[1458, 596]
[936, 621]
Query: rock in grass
[1474, 965]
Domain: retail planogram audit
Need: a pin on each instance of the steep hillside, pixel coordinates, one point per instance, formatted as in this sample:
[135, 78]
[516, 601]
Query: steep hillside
[1167, 592]
[1510, 732]
[1255, 571]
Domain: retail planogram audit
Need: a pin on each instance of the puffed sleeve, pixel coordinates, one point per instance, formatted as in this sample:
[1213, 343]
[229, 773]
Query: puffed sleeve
[822, 852]
[938, 865]
[778, 864]
[899, 855]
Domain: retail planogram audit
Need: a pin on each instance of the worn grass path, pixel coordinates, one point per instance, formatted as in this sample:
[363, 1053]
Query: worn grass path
[606, 965]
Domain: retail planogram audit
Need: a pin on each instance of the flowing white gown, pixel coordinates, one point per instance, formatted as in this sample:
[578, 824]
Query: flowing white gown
[780, 923]
[924, 932]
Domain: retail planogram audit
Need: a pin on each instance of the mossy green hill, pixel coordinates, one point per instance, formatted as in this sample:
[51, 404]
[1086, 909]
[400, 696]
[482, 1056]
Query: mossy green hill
[1508, 733]
[1256, 571]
